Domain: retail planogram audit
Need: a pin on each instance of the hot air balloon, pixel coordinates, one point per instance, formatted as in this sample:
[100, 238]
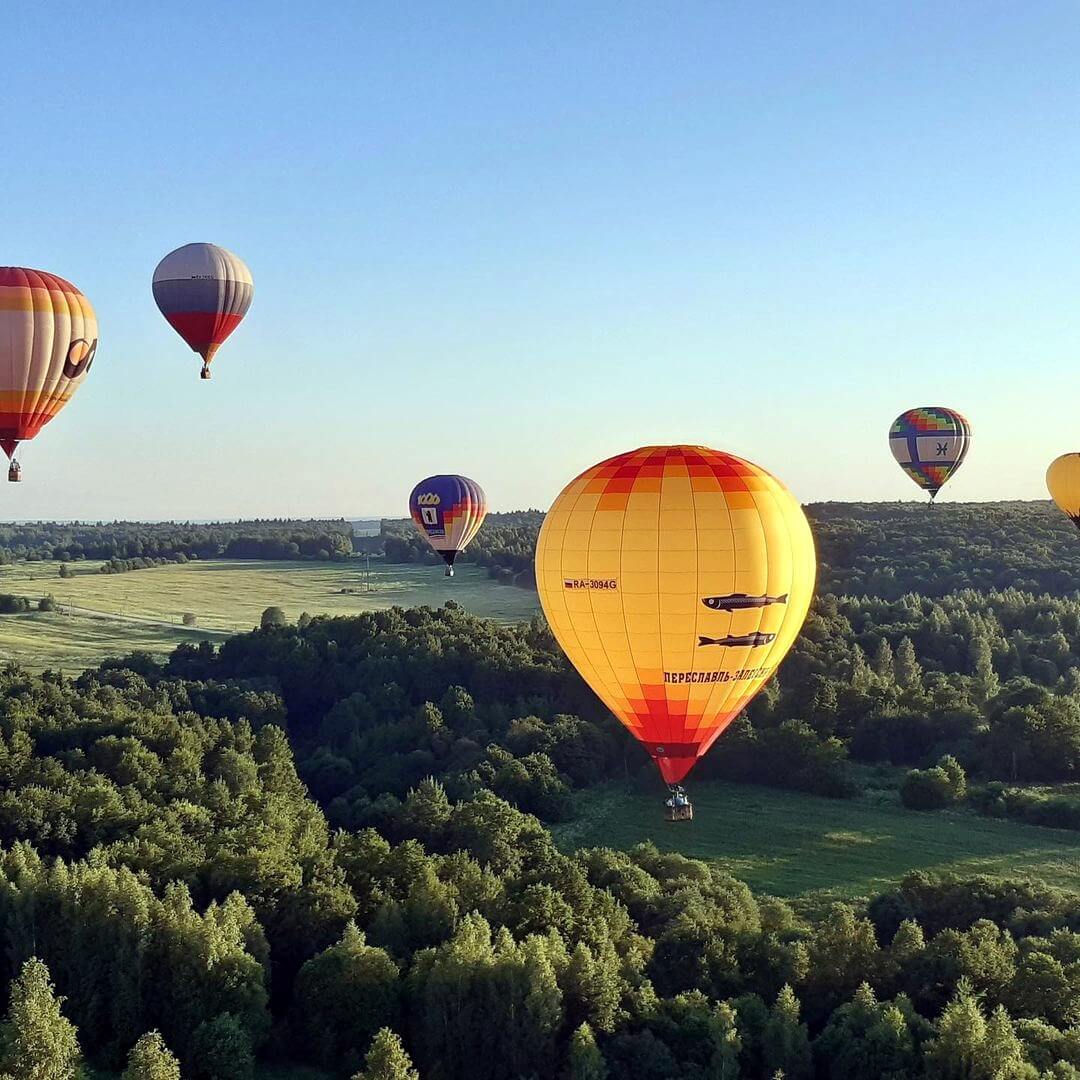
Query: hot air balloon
[1063, 482]
[48, 339]
[675, 578]
[930, 444]
[448, 512]
[204, 291]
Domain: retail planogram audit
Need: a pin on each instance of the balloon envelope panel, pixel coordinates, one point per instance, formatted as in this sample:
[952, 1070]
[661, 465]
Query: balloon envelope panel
[448, 512]
[203, 291]
[48, 339]
[930, 444]
[675, 578]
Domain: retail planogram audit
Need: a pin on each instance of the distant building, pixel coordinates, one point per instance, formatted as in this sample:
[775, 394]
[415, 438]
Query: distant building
[365, 526]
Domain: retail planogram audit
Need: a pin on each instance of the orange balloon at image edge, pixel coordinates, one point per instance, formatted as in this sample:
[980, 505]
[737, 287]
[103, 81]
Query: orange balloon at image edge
[675, 578]
[1063, 483]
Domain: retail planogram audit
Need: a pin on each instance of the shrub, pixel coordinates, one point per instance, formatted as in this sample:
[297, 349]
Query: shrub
[932, 789]
[926, 789]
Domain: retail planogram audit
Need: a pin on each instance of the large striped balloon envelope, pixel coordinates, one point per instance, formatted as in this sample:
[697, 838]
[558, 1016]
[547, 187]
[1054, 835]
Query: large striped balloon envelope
[48, 339]
[930, 444]
[675, 578]
[203, 291]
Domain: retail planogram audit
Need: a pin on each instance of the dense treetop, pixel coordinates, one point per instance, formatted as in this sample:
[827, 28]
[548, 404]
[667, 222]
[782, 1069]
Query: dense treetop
[327, 842]
[170, 892]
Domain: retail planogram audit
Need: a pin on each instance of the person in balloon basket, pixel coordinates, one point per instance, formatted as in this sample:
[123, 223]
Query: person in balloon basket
[678, 798]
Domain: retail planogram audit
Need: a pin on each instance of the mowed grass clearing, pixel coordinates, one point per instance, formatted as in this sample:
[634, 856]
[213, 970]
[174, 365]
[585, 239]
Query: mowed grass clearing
[811, 849]
[225, 596]
[229, 594]
[70, 643]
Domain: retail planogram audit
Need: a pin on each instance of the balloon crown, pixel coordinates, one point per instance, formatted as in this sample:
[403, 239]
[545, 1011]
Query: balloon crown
[430, 499]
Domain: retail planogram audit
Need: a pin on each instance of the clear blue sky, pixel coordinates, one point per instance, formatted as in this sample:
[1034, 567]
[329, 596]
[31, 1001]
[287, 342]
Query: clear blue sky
[509, 239]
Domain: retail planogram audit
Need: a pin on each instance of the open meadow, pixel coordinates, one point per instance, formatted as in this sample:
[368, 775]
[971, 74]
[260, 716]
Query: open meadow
[113, 614]
[69, 643]
[811, 849]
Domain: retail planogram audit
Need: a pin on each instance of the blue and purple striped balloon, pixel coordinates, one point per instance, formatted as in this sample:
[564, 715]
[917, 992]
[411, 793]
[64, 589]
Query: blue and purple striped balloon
[448, 512]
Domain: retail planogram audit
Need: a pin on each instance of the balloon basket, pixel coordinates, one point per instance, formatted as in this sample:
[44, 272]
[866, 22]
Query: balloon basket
[14, 474]
[685, 812]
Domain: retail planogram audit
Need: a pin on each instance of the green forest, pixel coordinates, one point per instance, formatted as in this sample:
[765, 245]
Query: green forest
[328, 845]
[170, 541]
[874, 549]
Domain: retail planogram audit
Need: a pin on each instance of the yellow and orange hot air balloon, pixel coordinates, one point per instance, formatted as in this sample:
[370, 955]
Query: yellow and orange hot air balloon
[48, 339]
[1063, 483]
[675, 578]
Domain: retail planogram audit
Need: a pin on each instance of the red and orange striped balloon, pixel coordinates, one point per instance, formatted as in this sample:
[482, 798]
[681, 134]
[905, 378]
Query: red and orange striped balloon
[48, 339]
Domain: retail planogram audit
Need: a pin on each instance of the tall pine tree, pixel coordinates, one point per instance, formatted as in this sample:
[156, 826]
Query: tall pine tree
[387, 1060]
[584, 1059]
[151, 1059]
[39, 1042]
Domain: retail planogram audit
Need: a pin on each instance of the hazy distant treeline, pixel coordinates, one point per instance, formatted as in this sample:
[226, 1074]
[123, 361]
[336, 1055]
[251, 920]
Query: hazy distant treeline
[504, 546]
[259, 539]
[872, 549]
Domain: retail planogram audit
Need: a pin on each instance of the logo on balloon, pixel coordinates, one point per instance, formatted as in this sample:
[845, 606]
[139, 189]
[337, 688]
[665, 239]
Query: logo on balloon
[80, 356]
[741, 675]
[430, 499]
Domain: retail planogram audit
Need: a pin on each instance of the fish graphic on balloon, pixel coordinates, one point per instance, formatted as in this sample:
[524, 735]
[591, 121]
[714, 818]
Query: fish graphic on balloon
[736, 640]
[741, 601]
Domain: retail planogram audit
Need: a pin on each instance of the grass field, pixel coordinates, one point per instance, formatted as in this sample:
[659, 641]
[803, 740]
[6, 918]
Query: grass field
[224, 595]
[811, 849]
[71, 643]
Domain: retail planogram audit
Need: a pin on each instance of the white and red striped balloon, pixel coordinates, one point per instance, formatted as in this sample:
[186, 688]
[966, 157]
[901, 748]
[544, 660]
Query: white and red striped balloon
[203, 291]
